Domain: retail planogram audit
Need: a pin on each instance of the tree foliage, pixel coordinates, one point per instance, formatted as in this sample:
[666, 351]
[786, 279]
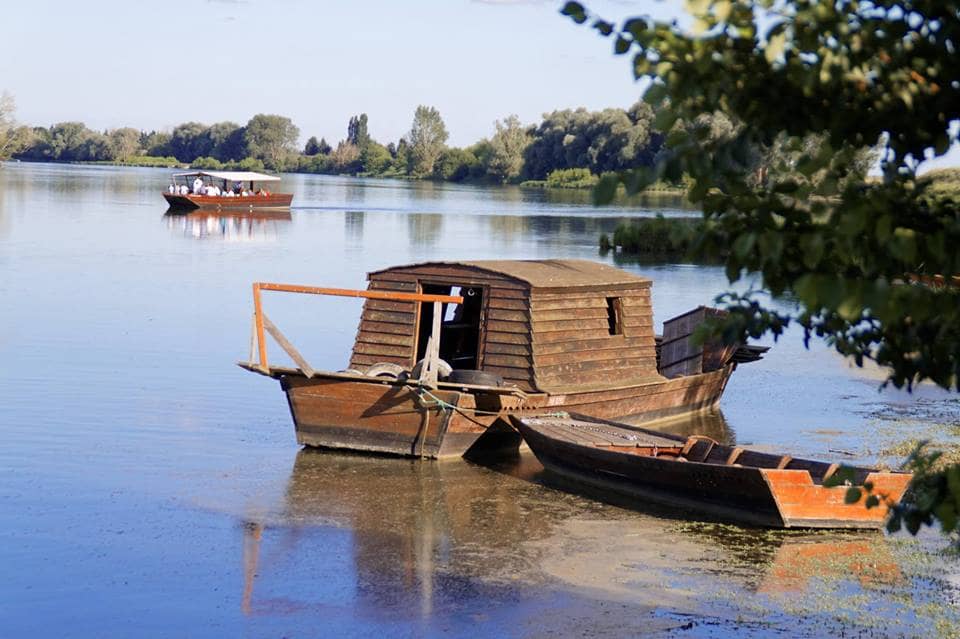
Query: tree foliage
[357, 133]
[271, 138]
[819, 82]
[427, 139]
[13, 138]
[507, 146]
[601, 141]
[456, 165]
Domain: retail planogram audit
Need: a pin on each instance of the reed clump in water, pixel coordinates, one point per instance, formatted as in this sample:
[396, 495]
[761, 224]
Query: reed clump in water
[653, 236]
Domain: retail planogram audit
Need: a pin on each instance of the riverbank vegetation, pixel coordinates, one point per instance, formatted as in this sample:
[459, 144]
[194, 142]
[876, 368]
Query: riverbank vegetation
[569, 148]
[655, 237]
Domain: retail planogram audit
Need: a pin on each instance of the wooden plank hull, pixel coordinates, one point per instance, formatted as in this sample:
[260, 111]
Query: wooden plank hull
[390, 417]
[219, 203]
[764, 496]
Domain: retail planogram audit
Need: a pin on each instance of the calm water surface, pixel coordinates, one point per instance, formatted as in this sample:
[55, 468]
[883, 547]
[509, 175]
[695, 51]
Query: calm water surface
[149, 487]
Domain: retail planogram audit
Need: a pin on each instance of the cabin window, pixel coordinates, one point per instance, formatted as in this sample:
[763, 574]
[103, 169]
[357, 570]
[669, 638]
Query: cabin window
[615, 315]
[459, 328]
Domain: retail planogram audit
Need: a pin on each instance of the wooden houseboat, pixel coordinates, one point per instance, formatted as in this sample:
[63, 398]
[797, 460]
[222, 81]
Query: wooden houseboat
[700, 475]
[446, 351]
[224, 190]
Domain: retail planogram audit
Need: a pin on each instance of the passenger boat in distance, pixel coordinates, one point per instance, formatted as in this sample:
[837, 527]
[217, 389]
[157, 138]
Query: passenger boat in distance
[224, 190]
[446, 351]
[700, 475]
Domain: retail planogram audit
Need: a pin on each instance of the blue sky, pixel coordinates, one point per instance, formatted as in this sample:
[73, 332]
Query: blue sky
[153, 64]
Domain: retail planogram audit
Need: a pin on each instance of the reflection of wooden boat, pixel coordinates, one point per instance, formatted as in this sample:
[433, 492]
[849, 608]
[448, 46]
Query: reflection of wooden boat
[697, 473]
[520, 337]
[230, 224]
[237, 190]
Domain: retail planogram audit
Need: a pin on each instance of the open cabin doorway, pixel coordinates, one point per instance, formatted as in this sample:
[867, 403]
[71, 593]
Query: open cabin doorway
[459, 328]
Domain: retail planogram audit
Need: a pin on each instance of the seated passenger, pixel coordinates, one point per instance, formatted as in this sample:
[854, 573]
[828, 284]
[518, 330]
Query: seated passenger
[171, 189]
[197, 186]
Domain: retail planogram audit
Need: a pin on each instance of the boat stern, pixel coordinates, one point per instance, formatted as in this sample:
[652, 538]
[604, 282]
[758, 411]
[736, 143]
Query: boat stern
[804, 504]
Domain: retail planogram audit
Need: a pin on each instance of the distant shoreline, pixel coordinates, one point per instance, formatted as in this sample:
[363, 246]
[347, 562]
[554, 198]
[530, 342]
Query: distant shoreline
[658, 190]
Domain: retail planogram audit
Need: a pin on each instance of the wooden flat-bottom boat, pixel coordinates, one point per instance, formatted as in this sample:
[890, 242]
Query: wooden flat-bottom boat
[254, 202]
[699, 475]
[445, 353]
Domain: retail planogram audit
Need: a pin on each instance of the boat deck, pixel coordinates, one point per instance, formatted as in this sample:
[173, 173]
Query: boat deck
[589, 433]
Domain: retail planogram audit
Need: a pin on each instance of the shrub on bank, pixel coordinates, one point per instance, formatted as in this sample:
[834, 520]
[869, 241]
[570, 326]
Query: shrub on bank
[656, 236]
[571, 179]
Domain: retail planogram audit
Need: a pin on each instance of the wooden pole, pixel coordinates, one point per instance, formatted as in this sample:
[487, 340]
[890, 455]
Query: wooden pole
[433, 354]
[347, 292]
[258, 315]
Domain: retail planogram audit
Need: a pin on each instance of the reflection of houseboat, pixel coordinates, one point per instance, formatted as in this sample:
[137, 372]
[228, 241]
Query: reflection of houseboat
[230, 225]
[220, 190]
[446, 351]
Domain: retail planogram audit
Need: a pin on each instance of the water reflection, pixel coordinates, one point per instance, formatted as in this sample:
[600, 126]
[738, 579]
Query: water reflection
[405, 540]
[246, 226]
[353, 225]
[424, 229]
[712, 424]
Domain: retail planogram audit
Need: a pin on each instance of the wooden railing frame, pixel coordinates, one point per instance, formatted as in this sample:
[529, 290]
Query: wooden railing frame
[259, 317]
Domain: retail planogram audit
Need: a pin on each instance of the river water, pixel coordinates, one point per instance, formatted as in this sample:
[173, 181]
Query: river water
[149, 487]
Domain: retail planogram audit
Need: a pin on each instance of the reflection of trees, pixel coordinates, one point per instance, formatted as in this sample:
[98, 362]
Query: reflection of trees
[424, 229]
[5, 192]
[353, 226]
[507, 228]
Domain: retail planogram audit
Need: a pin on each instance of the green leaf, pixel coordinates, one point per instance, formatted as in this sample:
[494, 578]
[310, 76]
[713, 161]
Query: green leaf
[884, 226]
[852, 496]
[603, 27]
[655, 94]
[635, 26]
[775, 47]
[605, 190]
[722, 9]
[812, 246]
[843, 475]
[743, 246]
[664, 120]
[947, 515]
[576, 11]
[621, 46]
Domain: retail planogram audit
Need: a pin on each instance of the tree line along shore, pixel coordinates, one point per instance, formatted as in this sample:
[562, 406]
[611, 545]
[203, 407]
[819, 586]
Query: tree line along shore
[569, 148]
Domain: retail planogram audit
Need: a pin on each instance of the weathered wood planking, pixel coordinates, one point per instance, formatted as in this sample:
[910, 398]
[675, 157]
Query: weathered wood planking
[572, 334]
[504, 349]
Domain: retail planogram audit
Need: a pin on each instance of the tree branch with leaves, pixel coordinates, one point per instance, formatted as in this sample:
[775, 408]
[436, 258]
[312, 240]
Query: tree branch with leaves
[870, 263]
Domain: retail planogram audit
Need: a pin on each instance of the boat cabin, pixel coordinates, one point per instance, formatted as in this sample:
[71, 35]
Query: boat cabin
[224, 190]
[542, 325]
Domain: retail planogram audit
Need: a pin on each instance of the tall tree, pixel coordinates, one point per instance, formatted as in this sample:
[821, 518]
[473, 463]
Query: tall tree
[506, 149]
[357, 133]
[312, 147]
[823, 80]
[12, 137]
[271, 138]
[124, 143]
[427, 139]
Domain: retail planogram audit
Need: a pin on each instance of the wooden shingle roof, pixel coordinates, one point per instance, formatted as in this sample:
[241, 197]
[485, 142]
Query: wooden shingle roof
[545, 273]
